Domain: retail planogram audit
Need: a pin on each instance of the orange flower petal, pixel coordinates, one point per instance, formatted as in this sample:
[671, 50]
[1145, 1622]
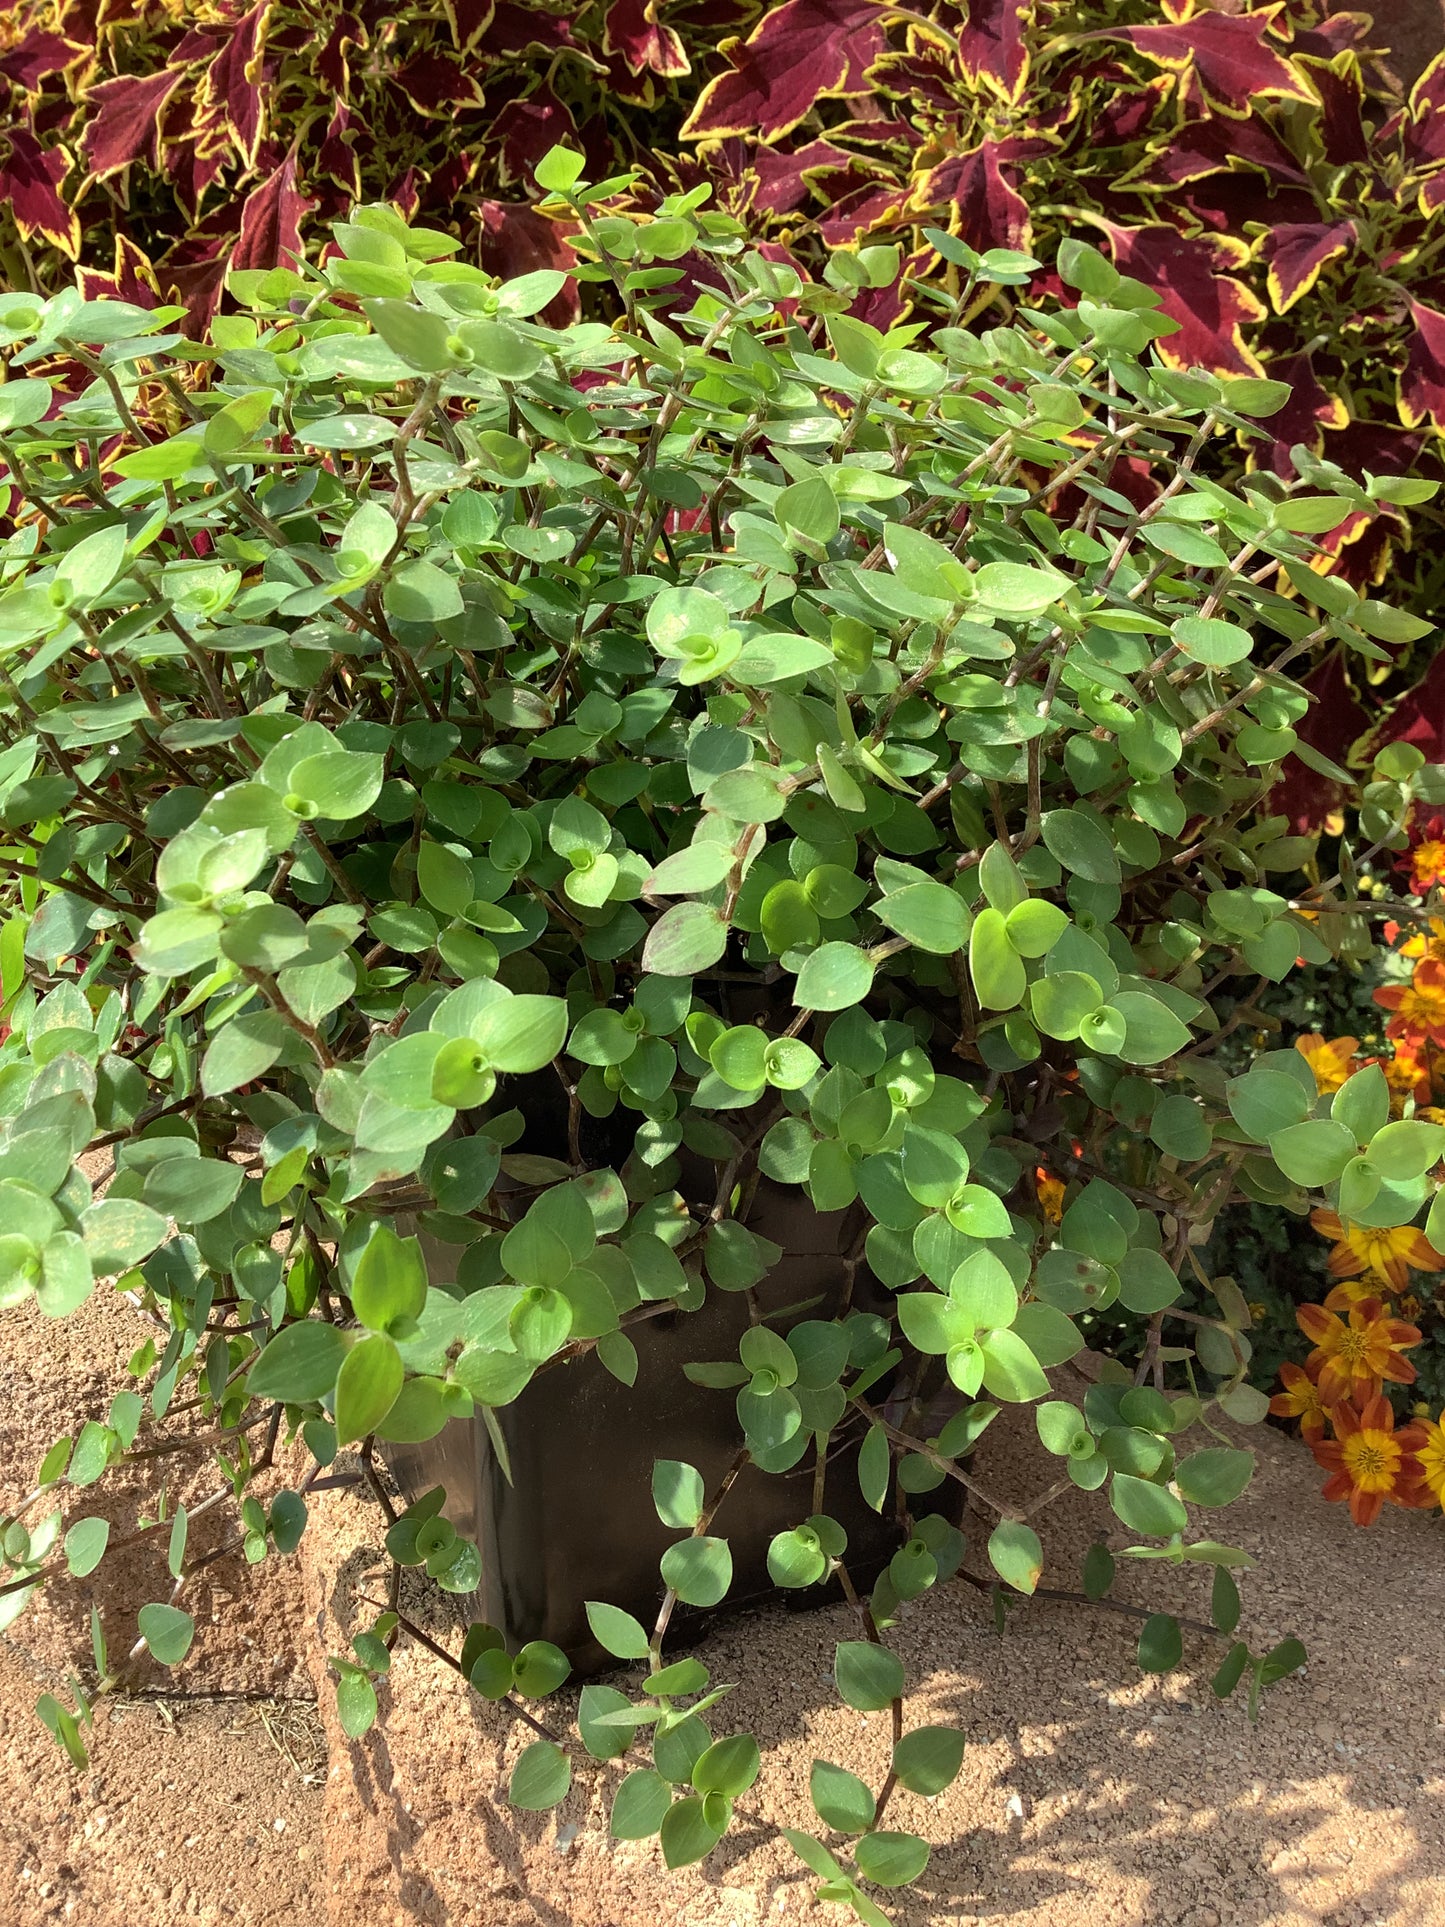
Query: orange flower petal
[1315, 1322]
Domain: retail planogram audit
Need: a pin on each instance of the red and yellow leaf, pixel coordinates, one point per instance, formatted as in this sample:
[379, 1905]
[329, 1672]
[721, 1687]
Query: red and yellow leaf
[526, 129]
[1310, 410]
[632, 31]
[1297, 251]
[127, 125]
[1422, 126]
[976, 195]
[435, 83]
[1222, 59]
[233, 80]
[30, 177]
[1212, 307]
[336, 158]
[271, 220]
[991, 44]
[36, 55]
[1421, 382]
[131, 279]
[800, 53]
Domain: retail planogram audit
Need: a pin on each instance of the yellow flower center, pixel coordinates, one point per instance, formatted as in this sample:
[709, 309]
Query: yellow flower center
[1372, 1460]
[1425, 1007]
[1353, 1346]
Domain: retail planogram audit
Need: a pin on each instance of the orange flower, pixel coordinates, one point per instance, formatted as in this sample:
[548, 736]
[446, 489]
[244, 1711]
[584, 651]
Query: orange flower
[1300, 1399]
[1355, 1355]
[1330, 1058]
[1368, 1460]
[1421, 943]
[1427, 865]
[1407, 1073]
[1419, 1006]
[1050, 1191]
[1425, 1476]
[1381, 1256]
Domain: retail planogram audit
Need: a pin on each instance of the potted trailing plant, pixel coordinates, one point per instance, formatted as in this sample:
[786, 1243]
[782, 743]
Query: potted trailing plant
[784, 742]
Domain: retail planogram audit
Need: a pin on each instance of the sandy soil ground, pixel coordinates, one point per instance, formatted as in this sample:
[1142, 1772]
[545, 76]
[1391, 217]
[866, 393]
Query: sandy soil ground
[1088, 1796]
[203, 1800]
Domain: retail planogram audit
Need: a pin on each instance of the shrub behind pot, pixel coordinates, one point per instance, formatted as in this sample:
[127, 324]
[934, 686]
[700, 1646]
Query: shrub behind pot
[403, 699]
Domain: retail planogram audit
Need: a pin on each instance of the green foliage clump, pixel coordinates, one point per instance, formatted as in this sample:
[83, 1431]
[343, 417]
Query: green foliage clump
[773, 737]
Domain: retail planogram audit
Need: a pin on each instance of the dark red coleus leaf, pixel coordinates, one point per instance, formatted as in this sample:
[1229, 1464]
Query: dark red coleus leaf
[874, 126]
[976, 195]
[332, 62]
[1422, 127]
[1341, 123]
[336, 158]
[271, 220]
[1323, 39]
[1361, 548]
[514, 30]
[1230, 203]
[233, 80]
[514, 239]
[127, 124]
[785, 177]
[1421, 382]
[1296, 252]
[1222, 59]
[1191, 274]
[30, 177]
[800, 53]
[860, 215]
[469, 20]
[1419, 716]
[194, 46]
[1119, 110]
[194, 151]
[526, 129]
[452, 176]
[631, 30]
[405, 191]
[1333, 724]
[991, 43]
[195, 277]
[438, 83]
[132, 278]
[37, 54]
[1213, 146]
[1310, 410]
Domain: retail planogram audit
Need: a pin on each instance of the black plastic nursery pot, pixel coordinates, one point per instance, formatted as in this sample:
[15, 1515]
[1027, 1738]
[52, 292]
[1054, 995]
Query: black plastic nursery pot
[577, 1522]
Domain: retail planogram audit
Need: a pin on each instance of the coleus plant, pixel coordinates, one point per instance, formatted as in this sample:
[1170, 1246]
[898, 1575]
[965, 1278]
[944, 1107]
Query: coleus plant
[1254, 165]
[165, 145]
[444, 701]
